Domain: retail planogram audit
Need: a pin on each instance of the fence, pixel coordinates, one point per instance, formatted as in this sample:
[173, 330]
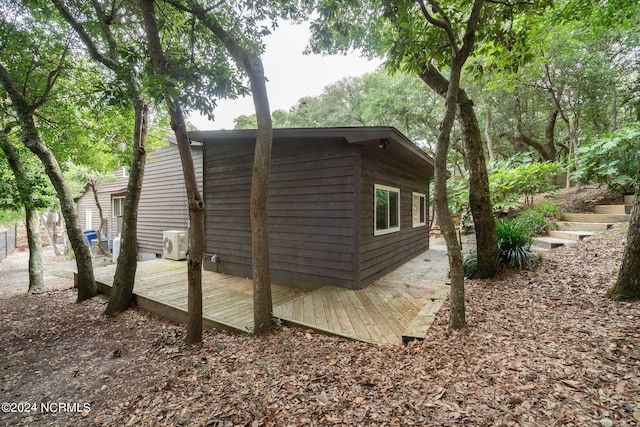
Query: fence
[8, 242]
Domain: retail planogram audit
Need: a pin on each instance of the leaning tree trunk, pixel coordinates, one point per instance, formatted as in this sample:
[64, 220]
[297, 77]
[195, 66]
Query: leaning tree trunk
[50, 237]
[31, 139]
[103, 220]
[479, 194]
[262, 300]
[627, 286]
[194, 199]
[121, 297]
[32, 219]
[457, 318]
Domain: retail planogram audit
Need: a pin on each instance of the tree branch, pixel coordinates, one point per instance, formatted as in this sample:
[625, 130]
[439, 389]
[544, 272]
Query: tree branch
[512, 5]
[470, 33]
[104, 21]
[443, 23]
[52, 77]
[84, 36]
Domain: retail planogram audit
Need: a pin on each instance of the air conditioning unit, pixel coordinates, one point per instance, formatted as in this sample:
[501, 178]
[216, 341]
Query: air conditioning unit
[174, 244]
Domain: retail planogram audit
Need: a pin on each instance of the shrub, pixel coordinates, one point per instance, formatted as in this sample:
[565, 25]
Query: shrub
[514, 244]
[520, 177]
[611, 159]
[470, 262]
[549, 209]
[540, 218]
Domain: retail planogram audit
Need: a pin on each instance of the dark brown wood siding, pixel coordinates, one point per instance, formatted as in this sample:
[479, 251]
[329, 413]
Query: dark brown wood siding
[311, 210]
[381, 254]
[163, 198]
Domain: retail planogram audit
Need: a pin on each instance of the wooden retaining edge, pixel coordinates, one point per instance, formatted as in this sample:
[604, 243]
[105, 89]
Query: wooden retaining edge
[166, 311]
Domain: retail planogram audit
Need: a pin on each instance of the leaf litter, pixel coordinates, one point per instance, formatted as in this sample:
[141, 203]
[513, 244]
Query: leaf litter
[542, 348]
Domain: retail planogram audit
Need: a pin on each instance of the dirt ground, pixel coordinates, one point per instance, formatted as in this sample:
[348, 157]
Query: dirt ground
[542, 348]
[581, 199]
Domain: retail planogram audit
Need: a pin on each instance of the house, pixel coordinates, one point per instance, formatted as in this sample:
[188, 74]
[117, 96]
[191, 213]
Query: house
[163, 200]
[346, 205]
[111, 197]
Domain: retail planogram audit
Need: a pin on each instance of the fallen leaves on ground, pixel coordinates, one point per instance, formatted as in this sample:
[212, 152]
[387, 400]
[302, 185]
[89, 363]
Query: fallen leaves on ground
[542, 348]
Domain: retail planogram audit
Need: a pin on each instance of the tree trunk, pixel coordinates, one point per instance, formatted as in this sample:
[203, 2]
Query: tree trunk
[126, 71]
[547, 151]
[32, 219]
[452, 93]
[103, 220]
[36, 271]
[194, 199]
[30, 138]
[614, 108]
[487, 135]
[43, 222]
[262, 300]
[479, 195]
[457, 318]
[121, 297]
[550, 136]
[627, 287]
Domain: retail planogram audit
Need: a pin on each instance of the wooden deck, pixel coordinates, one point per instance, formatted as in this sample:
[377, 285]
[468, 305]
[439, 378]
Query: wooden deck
[227, 302]
[397, 307]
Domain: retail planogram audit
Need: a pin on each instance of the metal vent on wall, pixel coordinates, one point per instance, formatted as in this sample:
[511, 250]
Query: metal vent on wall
[174, 244]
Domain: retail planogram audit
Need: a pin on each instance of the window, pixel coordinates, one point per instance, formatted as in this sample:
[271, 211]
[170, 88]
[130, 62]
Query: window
[419, 209]
[117, 206]
[387, 210]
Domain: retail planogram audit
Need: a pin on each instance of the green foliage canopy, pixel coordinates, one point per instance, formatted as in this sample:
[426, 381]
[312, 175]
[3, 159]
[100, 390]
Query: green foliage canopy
[611, 159]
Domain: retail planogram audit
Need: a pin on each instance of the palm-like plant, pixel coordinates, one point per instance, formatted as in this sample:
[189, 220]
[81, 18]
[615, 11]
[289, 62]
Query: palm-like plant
[514, 244]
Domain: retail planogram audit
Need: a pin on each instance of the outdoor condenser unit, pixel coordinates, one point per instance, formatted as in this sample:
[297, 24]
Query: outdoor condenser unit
[174, 244]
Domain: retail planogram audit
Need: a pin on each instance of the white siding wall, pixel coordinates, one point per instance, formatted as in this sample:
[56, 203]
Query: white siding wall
[87, 203]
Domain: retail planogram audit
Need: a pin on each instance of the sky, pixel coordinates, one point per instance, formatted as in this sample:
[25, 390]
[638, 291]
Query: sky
[290, 75]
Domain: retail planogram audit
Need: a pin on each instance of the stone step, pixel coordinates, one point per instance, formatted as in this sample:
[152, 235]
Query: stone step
[592, 217]
[570, 235]
[583, 226]
[549, 243]
[629, 199]
[613, 209]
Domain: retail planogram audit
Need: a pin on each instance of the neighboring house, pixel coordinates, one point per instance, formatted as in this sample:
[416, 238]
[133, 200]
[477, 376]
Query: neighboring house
[111, 197]
[346, 205]
[163, 200]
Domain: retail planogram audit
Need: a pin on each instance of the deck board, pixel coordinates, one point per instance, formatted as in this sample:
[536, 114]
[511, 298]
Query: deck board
[397, 304]
[382, 311]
